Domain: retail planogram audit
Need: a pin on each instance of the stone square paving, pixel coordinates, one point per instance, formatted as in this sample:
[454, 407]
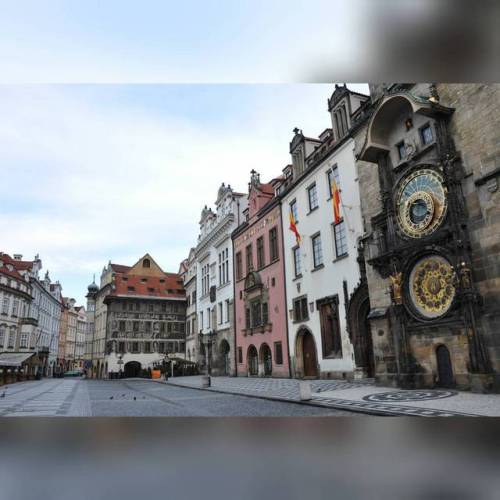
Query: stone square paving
[359, 395]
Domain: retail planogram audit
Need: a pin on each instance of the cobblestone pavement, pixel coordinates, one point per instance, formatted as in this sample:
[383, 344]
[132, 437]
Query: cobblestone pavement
[136, 397]
[360, 395]
[46, 397]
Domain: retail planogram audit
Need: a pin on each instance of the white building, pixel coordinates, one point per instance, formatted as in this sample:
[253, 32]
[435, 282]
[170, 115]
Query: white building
[188, 273]
[214, 281]
[322, 271]
[17, 339]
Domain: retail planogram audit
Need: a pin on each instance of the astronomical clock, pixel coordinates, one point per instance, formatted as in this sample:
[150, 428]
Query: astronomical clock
[421, 203]
[419, 241]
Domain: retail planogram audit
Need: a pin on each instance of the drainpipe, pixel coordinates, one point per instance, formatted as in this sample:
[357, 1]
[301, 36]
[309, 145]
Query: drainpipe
[285, 288]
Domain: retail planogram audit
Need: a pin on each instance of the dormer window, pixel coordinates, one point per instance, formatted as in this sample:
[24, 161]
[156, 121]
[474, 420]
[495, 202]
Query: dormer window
[146, 263]
[298, 160]
[339, 121]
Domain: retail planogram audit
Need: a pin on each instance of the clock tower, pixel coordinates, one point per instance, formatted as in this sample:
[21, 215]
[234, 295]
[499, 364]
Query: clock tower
[419, 246]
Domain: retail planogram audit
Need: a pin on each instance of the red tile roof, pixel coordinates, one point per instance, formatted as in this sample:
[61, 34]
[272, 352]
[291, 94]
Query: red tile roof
[7, 259]
[168, 285]
[118, 268]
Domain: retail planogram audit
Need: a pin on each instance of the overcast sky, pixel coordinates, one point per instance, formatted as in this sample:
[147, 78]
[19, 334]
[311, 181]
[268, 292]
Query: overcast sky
[97, 172]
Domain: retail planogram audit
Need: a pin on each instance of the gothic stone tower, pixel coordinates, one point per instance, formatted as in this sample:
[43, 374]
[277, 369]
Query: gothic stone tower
[426, 307]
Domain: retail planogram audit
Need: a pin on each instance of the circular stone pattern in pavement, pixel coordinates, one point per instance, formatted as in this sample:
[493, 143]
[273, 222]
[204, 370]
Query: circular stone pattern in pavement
[399, 396]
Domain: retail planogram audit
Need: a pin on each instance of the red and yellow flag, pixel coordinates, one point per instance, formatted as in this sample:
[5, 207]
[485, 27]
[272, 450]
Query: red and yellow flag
[293, 228]
[336, 201]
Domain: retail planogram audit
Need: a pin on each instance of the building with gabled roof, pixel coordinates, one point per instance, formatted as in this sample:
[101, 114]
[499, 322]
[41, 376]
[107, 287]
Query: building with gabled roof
[139, 318]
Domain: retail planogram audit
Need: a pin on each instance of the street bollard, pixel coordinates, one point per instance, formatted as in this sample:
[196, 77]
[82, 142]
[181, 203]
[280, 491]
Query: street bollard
[305, 391]
[205, 381]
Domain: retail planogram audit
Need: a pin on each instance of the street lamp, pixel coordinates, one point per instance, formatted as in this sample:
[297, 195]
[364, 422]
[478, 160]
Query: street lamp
[120, 363]
[207, 340]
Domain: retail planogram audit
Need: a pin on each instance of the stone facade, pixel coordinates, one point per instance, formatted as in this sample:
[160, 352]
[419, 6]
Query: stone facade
[431, 259]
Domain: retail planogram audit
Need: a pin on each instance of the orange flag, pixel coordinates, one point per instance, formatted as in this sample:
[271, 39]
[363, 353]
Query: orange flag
[293, 228]
[336, 201]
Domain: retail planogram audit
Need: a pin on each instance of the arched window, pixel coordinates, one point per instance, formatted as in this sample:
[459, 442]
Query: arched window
[146, 263]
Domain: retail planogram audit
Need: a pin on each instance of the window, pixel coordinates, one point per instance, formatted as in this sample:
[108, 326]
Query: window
[247, 318]
[300, 309]
[297, 261]
[5, 305]
[147, 347]
[426, 134]
[146, 263]
[121, 326]
[135, 346]
[330, 327]
[201, 320]
[249, 258]
[227, 311]
[256, 313]
[220, 313]
[333, 173]
[260, 253]
[135, 326]
[312, 195]
[124, 306]
[278, 353]
[205, 283]
[208, 318]
[265, 313]
[340, 239]
[239, 266]
[121, 347]
[15, 307]
[317, 251]
[240, 355]
[12, 338]
[400, 146]
[293, 209]
[273, 244]
[2, 336]
[147, 326]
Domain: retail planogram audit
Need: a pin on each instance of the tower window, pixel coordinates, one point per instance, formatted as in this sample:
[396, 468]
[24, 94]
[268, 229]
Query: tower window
[426, 134]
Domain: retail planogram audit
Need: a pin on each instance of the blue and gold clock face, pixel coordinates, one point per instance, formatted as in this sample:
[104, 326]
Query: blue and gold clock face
[421, 203]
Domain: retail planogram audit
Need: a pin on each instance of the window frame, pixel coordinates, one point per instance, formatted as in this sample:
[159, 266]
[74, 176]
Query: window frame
[296, 249]
[273, 244]
[317, 237]
[341, 223]
[261, 257]
[312, 188]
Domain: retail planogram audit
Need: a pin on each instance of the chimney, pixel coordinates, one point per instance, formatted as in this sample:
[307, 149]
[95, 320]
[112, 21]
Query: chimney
[18, 256]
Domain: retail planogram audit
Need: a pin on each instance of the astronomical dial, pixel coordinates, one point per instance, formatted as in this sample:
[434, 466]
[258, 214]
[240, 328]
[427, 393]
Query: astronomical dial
[421, 203]
[431, 286]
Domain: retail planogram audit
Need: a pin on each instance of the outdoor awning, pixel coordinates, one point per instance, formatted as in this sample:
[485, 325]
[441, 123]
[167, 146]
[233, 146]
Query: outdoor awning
[14, 358]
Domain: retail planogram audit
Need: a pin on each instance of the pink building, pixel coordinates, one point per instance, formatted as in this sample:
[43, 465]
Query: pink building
[260, 302]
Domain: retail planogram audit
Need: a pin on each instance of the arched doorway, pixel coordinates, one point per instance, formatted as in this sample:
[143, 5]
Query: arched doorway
[266, 360]
[305, 355]
[224, 353]
[132, 369]
[359, 330]
[444, 368]
[252, 361]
